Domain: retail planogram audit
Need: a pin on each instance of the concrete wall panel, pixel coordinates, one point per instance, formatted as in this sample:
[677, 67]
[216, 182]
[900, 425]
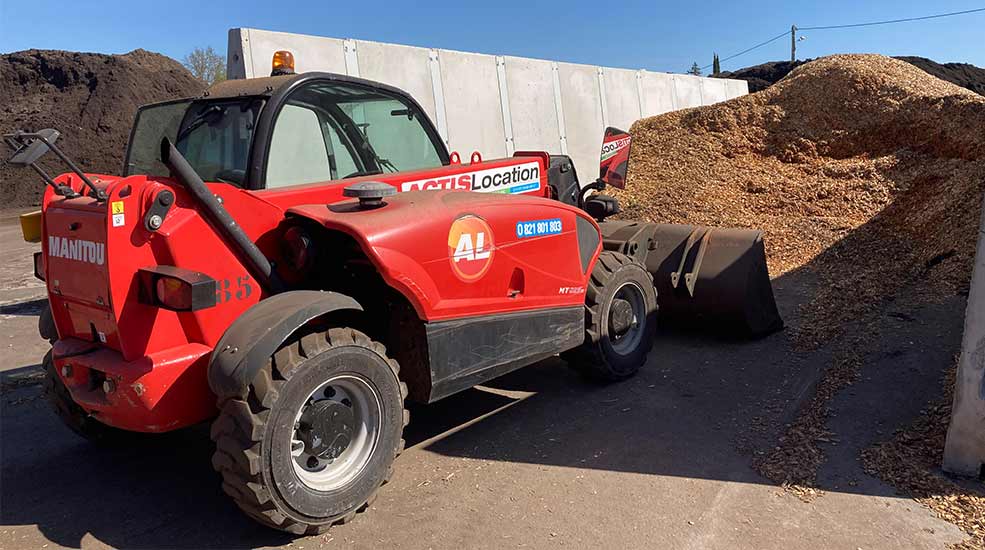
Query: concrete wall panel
[712, 90]
[582, 117]
[736, 88]
[311, 53]
[235, 60]
[464, 89]
[471, 91]
[964, 449]
[688, 89]
[531, 91]
[405, 67]
[658, 93]
[621, 97]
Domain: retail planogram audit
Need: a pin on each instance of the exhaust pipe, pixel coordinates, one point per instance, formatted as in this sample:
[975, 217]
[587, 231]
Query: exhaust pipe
[220, 220]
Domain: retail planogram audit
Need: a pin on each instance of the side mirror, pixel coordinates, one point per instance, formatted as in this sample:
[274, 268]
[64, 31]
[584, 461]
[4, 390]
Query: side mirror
[27, 148]
[614, 161]
[30, 146]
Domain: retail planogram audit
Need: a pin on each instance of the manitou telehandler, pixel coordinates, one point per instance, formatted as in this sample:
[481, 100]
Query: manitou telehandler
[339, 261]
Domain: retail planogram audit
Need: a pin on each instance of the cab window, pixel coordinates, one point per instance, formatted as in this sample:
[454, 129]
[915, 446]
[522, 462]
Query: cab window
[153, 123]
[332, 130]
[216, 136]
[297, 150]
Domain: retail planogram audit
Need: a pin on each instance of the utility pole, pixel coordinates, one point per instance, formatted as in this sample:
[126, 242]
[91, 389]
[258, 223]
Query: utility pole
[793, 43]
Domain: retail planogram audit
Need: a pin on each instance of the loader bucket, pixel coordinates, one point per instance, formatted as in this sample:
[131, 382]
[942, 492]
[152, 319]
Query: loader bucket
[711, 278]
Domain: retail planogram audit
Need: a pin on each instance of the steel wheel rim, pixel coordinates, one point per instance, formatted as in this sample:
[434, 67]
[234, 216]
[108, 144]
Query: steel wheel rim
[365, 403]
[627, 342]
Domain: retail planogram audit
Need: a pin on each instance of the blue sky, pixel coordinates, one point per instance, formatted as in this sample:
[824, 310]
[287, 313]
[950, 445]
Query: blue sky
[651, 35]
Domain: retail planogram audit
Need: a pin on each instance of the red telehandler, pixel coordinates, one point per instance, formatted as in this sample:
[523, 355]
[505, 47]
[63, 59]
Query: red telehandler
[293, 257]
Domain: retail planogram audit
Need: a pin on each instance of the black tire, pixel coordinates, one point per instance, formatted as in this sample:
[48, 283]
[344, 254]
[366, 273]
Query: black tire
[256, 462]
[604, 356]
[46, 324]
[74, 416]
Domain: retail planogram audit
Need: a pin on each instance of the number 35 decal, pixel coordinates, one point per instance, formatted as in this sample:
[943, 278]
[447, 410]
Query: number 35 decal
[226, 291]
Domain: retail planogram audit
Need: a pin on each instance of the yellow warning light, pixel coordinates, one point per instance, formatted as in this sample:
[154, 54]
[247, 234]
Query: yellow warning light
[283, 63]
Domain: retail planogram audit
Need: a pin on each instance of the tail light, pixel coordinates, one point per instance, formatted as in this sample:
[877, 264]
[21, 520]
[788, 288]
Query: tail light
[176, 289]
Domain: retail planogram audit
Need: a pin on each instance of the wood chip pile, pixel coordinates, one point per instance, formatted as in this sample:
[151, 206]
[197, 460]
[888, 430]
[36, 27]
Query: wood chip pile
[862, 168]
[869, 174]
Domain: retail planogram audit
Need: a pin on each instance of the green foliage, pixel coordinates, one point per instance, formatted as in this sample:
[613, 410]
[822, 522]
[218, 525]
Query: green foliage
[716, 66]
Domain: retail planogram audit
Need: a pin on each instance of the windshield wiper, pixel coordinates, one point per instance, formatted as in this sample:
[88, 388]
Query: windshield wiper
[380, 161]
[199, 119]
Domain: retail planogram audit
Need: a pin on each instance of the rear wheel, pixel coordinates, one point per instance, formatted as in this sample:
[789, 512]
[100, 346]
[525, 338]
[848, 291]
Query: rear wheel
[620, 320]
[315, 435]
[46, 324]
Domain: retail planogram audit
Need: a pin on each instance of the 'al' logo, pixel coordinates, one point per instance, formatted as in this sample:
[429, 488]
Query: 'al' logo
[470, 247]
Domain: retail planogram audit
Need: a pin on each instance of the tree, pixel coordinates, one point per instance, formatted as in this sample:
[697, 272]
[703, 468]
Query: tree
[695, 70]
[206, 65]
[716, 66]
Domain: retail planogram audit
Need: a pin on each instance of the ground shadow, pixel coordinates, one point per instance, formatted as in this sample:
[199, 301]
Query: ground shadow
[29, 308]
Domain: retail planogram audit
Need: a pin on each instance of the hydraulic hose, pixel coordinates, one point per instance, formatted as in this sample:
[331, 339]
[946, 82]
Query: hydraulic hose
[220, 220]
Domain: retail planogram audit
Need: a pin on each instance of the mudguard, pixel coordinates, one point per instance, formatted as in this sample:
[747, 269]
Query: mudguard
[256, 334]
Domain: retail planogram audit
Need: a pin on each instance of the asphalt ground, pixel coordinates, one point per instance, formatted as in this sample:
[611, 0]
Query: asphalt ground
[536, 459]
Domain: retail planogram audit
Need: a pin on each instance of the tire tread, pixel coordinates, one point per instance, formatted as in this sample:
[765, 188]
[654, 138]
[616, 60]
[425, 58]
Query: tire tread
[588, 359]
[238, 430]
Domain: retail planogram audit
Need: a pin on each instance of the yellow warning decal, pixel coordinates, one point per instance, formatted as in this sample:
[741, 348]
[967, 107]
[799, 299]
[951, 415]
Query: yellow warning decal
[117, 207]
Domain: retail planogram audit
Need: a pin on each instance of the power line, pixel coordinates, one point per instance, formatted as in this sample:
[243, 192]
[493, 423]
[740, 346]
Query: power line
[760, 45]
[848, 26]
[889, 21]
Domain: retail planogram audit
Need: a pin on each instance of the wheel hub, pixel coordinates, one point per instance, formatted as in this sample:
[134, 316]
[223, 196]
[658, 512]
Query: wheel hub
[336, 431]
[621, 316]
[326, 428]
[627, 318]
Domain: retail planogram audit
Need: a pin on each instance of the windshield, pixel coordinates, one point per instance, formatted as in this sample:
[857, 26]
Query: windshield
[214, 136]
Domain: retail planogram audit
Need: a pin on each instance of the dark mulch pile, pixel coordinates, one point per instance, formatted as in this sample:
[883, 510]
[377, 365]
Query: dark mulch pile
[90, 98]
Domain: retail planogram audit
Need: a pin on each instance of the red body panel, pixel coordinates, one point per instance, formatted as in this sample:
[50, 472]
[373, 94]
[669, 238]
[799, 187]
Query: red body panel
[408, 241]
[160, 392]
[93, 251]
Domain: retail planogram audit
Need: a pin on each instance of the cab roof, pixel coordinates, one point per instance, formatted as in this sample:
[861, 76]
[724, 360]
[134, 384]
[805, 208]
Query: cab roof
[264, 86]
[269, 85]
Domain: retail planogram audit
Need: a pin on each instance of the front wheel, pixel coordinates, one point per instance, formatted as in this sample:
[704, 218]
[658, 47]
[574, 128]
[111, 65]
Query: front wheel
[620, 320]
[316, 434]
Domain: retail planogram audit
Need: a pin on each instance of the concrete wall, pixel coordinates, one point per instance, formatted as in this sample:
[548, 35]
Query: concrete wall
[964, 452]
[494, 104]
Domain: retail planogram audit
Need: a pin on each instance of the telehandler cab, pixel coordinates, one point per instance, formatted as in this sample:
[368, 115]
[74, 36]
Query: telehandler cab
[297, 299]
